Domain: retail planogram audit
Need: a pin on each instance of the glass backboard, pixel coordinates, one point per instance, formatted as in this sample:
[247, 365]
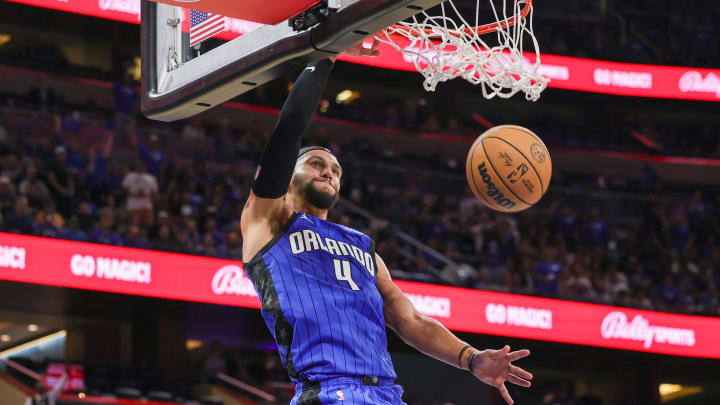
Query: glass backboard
[195, 60]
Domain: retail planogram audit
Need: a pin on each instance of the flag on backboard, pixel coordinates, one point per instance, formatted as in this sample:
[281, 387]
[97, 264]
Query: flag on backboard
[204, 25]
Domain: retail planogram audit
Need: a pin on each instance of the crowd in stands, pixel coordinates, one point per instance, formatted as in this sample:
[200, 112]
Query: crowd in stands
[653, 32]
[627, 133]
[63, 177]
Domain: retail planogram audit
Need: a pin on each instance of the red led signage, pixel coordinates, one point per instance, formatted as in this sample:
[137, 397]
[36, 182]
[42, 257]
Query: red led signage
[36, 260]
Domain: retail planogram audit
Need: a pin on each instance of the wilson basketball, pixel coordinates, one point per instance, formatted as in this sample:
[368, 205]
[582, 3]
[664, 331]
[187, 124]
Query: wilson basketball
[508, 168]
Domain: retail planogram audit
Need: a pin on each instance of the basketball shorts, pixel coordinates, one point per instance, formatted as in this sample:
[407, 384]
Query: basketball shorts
[349, 391]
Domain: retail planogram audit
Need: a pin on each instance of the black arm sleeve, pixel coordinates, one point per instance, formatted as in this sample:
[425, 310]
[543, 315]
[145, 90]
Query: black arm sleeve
[277, 161]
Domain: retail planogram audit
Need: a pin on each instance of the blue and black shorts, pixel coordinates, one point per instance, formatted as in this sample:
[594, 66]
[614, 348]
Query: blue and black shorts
[367, 390]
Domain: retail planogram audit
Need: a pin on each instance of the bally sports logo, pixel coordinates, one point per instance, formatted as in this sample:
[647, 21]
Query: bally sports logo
[535, 318]
[693, 81]
[616, 326]
[111, 268]
[492, 190]
[121, 6]
[231, 279]
[12, 257]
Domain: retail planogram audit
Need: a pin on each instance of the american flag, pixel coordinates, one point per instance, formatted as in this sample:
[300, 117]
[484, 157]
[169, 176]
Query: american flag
[204, 25]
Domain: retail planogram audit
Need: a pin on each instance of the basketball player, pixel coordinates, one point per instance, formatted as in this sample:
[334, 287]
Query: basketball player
[326, 296]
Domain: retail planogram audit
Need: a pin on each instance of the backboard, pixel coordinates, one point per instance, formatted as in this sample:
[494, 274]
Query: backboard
[181, 78]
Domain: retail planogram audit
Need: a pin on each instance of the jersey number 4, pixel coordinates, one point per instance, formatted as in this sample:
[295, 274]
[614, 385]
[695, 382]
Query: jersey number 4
[343, 272]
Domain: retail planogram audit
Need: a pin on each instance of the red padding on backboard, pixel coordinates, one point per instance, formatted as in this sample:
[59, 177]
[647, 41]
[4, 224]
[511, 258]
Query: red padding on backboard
[260, 11]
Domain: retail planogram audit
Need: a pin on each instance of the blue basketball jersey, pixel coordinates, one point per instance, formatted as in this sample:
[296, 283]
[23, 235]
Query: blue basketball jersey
[317, 284]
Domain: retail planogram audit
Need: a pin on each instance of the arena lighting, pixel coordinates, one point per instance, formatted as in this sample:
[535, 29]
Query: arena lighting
[136, 69]
[5, 338]
[33, 343]
[33, 328]
[346, 97]
[5, 38]
[667, 389]
[192, 344]
[671, 392]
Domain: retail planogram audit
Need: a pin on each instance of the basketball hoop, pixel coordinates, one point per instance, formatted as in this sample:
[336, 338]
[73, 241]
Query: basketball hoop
[444, 47]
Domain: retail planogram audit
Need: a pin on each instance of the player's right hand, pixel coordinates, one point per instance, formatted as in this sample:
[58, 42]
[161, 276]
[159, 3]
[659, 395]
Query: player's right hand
[494, 367]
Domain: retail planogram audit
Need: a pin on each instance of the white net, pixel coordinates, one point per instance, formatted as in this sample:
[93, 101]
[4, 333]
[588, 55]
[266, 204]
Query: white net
[446, 46]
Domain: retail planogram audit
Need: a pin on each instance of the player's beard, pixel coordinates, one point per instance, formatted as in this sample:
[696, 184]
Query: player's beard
[315, 197]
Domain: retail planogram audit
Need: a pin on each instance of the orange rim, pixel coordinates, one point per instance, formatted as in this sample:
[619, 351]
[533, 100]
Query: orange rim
[480, 30]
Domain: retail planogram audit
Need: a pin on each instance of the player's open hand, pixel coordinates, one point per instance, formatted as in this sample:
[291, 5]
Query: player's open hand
[494, 367]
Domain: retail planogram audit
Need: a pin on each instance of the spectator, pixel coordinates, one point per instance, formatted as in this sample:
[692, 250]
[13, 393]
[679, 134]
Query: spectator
[44, 226]
[60, 181]
[193, 131]
[135, 238]
[547, 272]
[164, 240]
[8, 194]
[596, 229]
[142, 187]
[53, 217]
[211, 230]
[421, 270]
[73, 160]
[467, 204]
[20, 220]
[207, 247]
[151, 154]
[617, 281]
[668, 293]
[233, 247]
[34, 188]
[104, 233]
[42, 96]
[126, 98]
[96, 175]
[87, 215]
[678, 232]
[186, 234]
[73, 231]
[215, 362]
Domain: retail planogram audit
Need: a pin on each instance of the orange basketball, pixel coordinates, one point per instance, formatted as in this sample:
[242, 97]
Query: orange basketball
[508, 168]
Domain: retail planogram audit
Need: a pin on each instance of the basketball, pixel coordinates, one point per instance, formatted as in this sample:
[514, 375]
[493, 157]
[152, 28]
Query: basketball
[508, 168]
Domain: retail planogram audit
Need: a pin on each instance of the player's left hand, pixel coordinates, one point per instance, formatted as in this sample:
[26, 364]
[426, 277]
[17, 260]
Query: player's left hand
[494, 367]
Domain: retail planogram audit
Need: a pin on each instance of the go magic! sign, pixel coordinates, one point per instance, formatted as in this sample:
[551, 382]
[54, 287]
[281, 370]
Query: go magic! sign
[60, 263]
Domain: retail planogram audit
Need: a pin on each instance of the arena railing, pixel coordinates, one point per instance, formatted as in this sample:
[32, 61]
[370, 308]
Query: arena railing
[421, 247]
[245, 387]
[20, 391]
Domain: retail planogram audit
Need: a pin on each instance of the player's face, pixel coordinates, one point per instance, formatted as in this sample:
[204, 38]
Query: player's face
[317, 178]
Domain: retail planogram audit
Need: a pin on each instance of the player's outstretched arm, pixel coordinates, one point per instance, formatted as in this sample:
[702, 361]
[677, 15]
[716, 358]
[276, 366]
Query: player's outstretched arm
[493, 367]
[265, 211]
